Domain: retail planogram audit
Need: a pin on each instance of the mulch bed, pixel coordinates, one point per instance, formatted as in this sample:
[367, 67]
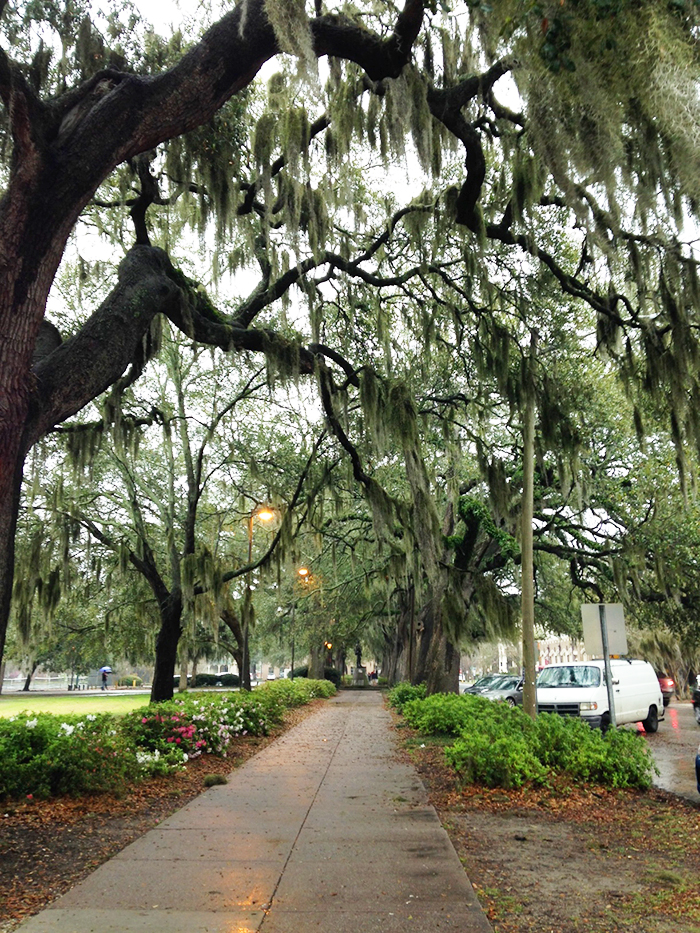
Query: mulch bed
[568, 858]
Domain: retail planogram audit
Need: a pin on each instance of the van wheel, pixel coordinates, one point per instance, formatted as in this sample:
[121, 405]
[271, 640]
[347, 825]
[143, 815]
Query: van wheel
[651, 723]
[604, 722]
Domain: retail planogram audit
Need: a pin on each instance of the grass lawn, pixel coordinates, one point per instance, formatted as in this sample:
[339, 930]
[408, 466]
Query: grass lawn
[107, 702]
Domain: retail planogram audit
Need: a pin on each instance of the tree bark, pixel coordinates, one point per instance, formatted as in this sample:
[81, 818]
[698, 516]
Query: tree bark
[166, 649]
[183, 671]
[233, 623]
[317, 656]
[438, 659]
[397, 642]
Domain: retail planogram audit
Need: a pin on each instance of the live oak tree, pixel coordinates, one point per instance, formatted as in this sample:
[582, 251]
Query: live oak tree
[602, 139]
[167, 493]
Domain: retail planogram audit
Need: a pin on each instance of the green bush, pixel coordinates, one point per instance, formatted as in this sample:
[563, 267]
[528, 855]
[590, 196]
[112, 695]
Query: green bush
[297, 692]
[558, 740]
[443, 713]
[502, 747]
[229, 680]
[329, 673]
[402, 693]
[216, 680]
[616, 758]
[205, 680]
[496, 760]
[43, 755]
[321, 689]
[130, 680]
[333, 675]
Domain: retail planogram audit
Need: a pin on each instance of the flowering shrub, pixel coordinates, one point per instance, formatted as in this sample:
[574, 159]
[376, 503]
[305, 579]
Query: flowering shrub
[43, 755]
[162, 726]
[203, 723]
[157, 764]
[222, 717]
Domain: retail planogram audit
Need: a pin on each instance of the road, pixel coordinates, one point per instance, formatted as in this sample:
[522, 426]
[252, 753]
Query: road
[674, 748]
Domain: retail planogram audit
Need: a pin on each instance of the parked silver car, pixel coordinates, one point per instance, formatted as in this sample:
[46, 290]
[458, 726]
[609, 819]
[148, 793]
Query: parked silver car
[483, 683]
[509, 689]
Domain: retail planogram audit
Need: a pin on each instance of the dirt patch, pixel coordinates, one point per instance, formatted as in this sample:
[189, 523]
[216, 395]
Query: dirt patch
[568, 859]
[47, 846]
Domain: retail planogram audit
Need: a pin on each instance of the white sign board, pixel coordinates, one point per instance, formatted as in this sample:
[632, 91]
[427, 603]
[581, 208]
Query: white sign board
[615, 623]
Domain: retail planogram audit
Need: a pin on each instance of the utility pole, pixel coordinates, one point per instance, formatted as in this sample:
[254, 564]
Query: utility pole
[527, 572]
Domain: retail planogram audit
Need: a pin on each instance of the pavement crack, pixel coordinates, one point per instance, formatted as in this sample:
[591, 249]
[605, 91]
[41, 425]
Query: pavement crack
[268, 906]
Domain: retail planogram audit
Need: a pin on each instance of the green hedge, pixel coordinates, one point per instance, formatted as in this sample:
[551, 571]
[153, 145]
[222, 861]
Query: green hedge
[44, 755]
[216, 680]
[329, 673]
[443, 713]
[403, 693]
[502, 747]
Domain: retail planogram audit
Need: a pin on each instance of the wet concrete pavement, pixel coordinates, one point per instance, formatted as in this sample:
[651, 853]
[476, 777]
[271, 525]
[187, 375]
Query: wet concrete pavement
[674, 748]
[323, 830]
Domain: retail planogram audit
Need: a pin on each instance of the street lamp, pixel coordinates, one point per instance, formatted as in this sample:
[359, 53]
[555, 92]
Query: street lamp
[304, 574]
[264, 514]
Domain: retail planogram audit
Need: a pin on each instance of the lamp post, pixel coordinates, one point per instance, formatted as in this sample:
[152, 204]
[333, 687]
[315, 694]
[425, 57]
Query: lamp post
[304, 573]
[265, 514]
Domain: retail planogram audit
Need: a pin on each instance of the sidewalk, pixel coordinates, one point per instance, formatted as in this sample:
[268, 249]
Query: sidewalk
[322, 831]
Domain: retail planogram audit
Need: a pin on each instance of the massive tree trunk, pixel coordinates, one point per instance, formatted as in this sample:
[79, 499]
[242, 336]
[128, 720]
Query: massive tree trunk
[317, 656]
[438, 659]
[62, 151]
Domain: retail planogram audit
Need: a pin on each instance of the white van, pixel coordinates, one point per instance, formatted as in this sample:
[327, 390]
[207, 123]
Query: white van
[579, 689]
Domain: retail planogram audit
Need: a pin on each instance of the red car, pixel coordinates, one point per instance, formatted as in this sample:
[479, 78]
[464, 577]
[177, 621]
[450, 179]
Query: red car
[667, 685]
